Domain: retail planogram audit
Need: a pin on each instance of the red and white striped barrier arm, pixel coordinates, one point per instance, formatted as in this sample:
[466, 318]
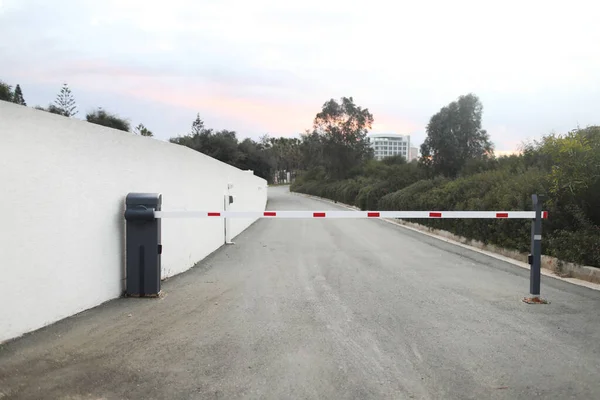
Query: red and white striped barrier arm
[350, 214]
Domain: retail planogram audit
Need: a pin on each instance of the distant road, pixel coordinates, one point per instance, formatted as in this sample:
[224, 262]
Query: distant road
[323, 309]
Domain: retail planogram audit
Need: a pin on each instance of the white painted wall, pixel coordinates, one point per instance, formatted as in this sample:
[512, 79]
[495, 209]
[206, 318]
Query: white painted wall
[63, 185]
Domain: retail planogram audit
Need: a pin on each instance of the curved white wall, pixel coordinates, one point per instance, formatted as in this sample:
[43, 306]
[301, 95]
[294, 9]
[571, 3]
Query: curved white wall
[64, 182]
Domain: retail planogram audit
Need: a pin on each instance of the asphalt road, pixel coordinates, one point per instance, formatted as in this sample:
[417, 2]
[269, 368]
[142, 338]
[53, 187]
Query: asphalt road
[323, 309]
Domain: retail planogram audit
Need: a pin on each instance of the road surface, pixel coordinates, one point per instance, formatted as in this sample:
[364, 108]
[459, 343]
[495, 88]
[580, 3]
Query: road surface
[323, 309]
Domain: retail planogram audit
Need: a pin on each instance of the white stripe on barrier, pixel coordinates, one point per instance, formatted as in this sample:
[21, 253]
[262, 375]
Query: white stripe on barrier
[349, 214]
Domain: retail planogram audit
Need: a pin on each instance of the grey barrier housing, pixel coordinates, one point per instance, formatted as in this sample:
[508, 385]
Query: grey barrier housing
[143, 244]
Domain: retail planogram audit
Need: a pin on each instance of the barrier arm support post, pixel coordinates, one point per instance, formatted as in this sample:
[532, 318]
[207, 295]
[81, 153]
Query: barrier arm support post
[535, 259]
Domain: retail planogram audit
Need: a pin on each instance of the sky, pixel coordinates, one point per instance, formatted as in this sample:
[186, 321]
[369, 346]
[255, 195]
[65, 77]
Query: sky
[267, 66]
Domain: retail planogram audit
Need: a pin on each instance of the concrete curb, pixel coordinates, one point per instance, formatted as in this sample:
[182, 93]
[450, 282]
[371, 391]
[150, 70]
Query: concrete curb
[424, 230]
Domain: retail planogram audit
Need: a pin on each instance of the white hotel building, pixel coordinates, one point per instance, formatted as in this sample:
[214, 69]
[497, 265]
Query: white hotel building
[390, 144]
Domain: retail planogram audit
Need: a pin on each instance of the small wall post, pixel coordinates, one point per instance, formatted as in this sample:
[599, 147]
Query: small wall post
[227, 202]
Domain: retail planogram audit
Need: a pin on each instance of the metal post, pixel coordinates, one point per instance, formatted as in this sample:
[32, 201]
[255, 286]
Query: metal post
[536, 247]
[143, 244]
[226, 222]
[227, 206]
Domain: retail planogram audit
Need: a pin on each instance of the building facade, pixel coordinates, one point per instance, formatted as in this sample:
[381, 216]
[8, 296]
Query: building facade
[390, 144]
[413, 153]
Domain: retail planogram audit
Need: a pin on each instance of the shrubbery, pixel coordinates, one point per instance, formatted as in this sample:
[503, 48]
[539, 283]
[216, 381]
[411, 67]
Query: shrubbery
[101, 117]
[487, 191]
[565, 168]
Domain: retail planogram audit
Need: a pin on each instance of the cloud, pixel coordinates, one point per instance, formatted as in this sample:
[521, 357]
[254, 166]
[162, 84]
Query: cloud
[275, 116]
[531, 63]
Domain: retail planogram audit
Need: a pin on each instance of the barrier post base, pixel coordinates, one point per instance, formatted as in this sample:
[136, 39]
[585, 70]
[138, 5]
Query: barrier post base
[535, 300]
[158, 295]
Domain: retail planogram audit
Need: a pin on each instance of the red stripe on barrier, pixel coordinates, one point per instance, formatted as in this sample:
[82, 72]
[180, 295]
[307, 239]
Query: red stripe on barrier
[373, 215]
[270, 214]
[435, 215]
[214, 214]
[319, 215]
[501, 215]
[544, 214]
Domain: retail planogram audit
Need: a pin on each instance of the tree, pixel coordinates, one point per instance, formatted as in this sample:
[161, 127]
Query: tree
[263, 157]
[222, 145]
[18, 96]
[311, 148]
[66, 102]
[6, 93]
[284, 154]
[253, 156]
[197, 125]
[342, 129]
[454, 136]
[143, 131]
[104, 118]
[198, 137]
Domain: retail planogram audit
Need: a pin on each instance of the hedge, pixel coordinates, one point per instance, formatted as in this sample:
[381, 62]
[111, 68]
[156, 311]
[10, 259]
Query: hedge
[493, 191]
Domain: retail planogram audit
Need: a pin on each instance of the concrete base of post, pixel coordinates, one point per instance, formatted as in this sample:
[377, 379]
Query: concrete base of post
[535, 300]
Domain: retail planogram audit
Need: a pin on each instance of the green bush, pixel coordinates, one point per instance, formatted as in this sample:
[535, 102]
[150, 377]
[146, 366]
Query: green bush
[101, 117]
[565, 168]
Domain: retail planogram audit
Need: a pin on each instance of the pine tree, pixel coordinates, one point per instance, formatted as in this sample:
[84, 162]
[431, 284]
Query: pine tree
[197, 125]
[66, 102]
[18, 96]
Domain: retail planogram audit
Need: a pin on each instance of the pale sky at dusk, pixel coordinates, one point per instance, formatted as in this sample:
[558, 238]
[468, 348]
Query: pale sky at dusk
[267, 66]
